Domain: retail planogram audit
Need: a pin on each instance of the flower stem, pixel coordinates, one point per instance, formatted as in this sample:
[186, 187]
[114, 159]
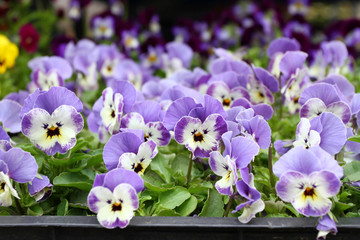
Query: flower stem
[228, 205]
[270, 165]
[18, 207]
[188, 175]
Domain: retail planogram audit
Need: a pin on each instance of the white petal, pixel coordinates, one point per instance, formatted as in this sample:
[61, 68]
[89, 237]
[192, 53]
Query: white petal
[250, 211]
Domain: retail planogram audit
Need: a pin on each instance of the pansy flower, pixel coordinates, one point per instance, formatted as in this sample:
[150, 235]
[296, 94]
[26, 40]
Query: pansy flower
[48, 72]
[107, 111]
[298, 7]
[200, 137]
[51, 119]
[325, 226]
[253, 203]
[221, 91]
[308, 178]
[29, 37]
[108, 57]
[114, 197]
[17, 165]
[103, 27]
[9, 53]
[128, 150]
[40, 188]
[130, 40]
[179, 56]
[146, 116]
[239, 151]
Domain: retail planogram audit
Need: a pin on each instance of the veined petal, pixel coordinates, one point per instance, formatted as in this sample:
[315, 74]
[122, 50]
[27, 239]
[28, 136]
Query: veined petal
[98, 198]
[341, 110]
[133, 120]
[312, 108]
[250, 211]
[218, 163]
[9, 115]
[157, 132]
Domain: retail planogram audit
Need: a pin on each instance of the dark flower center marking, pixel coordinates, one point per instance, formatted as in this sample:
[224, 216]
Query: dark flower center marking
[113, 114]
[116, 207]
[296, 99]
[152, 58]
[109, 68]
[226, 102]
[198, 137]
[53, 131]
[261, 95]
[2, 187]
[228, 176]
[2, 62]
[138, 168]
[309, 192]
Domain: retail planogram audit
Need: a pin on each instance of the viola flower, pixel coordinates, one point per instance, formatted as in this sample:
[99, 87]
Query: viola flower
[145, 116]
[200, 137]
[87, 75]
[253, 203]
[298, 7]
[40, 188]
[179, 56]
[114, 197]
[152, 59]
[51, 119]
[262, 109]
[107, 59]
[107, 110]
[29, 38]
[308, 178]
[258, 92]
[239, 152]
[48, 72]
[17, 165]
[128, 70]
[256, 128]
[324, 97]
[306, 137]
[130, 40]
[128, 150]
[325, 226]
[276, 51]
[8, 53]
[117, 7]
[293, 89]
[75, 10]
[112, 110]
[221, 91]
[103, 27]
[335, 55]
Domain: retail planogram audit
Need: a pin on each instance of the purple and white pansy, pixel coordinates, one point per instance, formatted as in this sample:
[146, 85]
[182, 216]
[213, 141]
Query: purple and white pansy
[308, 178]
[114, 197]
[200, 137]
[128, 150]
[52, 119]
[17, 165]
[48, 72]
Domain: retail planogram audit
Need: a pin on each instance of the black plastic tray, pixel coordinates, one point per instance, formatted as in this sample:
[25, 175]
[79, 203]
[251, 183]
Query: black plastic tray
[174, 228]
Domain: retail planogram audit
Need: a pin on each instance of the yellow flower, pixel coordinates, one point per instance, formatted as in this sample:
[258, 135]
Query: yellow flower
[8, 53]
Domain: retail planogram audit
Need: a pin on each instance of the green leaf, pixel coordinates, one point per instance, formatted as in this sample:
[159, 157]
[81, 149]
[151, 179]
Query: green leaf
[78, 199]
[76, 180]
[196, 187]
[160, 165]
[354, 138]
[174, 197]
[214, 205]
[272, 207]
[35, 210]
[352, 171]
[63, 207]
[187, 207]
[168, 213]
[153, 182]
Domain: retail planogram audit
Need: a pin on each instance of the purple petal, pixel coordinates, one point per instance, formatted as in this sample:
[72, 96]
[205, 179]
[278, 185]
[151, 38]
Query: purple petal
[9, 115]
[324, 91]
[150, 110]
[243, 150]
[119, 175]
[179, 108]
[22, 165]
[117, 145]
[267, 79]
[55, 97]
[342, 83]
[128, 92]
[282, 45]
[291, 61]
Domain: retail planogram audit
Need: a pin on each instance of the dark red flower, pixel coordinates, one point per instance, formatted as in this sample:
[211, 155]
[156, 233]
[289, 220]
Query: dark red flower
[29, 38]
